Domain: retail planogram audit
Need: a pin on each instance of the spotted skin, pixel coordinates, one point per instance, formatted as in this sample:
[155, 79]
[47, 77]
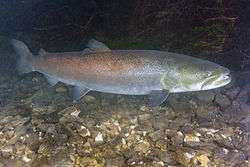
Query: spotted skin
[131, 72]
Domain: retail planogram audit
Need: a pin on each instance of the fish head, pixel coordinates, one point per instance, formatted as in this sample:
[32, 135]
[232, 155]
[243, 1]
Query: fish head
[198, 75]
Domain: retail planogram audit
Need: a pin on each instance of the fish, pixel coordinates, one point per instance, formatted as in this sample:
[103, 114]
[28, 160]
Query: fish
[131, 72]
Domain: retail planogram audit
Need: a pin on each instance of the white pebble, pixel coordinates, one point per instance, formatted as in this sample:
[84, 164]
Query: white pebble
[26, 159]
[124, 141]
[75, 113]
[189, 156]
[225, 150]
[99, 138]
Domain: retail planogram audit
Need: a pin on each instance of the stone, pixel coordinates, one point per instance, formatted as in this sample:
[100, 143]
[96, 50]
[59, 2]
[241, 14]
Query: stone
[157, 135]
[89, 99]
[61, 89]
[222, 100]
[72, 111]
[143, 117]
[202, 160]
[178, 138]
[205, 96]
[99, 138]
[142, 147]
[88, 161]
[117, 161]
[185, 157]
[191, 140]
[232, 93]
[10, 134]
[164, 156]
[83, 131]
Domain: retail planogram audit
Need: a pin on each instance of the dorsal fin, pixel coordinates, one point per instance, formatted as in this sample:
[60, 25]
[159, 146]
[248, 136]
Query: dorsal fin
[42, 52]
[95, 46]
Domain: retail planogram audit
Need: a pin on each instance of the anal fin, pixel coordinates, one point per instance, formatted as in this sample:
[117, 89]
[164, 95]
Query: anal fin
[78, 92]
[157, 97]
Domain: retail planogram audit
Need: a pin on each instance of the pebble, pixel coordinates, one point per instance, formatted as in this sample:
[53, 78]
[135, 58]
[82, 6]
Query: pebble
[99, 138]
[178, 138]
[61, 89]
[142, 147]
[132, 135]
[191, 138]
[75, 113]
[222, 100]
[89, 99]
[202, 159]
[117, 161]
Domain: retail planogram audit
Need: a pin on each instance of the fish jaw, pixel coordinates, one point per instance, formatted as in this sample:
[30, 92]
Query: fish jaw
[216, 82]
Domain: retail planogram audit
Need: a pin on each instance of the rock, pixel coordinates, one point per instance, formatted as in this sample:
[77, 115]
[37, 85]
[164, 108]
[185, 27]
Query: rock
[88, 161]
[165, 156]
[185, 157]
[222, 100]
[170, 132]
[144, 109]
[180, 102]
[142, 147]
[87, 148]
[202, 160]
[143, 117]
[89, 99]
[245, 107]
[7, 151]
[117, 161]
[99, 138]
[84, 132]
[10, 134]
[157, 135]
[178, 138]
[205, 114]
[70, 111]
[61, 89]
[205, 96]
[229, 158]
[246, 123]
[38, 110]
[160, 123]
[192, 140]
[162, 144]
[232, 93]
[62, 163]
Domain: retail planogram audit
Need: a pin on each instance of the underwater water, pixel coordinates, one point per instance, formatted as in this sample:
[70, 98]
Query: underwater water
[42, 126]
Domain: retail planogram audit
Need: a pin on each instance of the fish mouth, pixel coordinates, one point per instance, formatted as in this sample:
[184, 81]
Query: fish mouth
[216, 81]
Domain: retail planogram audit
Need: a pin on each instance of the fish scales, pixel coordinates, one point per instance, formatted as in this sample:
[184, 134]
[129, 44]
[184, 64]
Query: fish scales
[116, 68]
[131, 72]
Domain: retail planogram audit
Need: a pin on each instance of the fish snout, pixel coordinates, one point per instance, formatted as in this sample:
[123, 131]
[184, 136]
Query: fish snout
[217, 81]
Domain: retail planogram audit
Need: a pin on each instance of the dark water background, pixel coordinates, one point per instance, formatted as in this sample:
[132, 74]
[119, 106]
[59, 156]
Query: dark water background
[41, 126]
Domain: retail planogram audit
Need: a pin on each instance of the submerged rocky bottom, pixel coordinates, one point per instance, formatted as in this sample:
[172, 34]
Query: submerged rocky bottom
[41, 126]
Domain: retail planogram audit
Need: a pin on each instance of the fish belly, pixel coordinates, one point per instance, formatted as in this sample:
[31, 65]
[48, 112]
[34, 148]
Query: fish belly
[126, 86]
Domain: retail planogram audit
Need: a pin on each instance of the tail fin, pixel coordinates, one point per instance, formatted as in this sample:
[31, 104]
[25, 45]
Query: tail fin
[24, 62]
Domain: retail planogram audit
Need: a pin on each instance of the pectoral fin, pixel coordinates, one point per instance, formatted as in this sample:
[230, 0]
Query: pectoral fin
[78, 92]
[52, 81]
[157, 97]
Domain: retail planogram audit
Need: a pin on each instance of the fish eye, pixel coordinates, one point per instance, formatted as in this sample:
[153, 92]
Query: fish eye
[208, 73]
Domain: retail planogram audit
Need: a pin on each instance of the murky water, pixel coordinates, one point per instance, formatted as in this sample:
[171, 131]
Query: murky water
[41, 126]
